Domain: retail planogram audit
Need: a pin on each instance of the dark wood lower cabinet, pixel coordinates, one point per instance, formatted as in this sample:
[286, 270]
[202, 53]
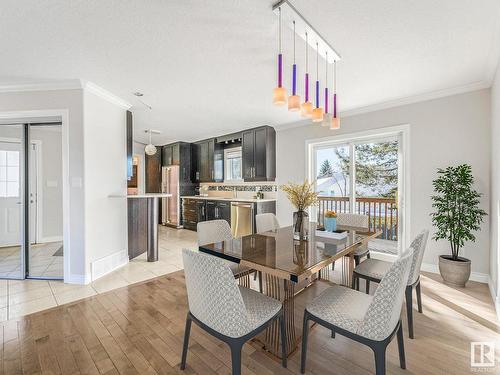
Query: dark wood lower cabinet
[196, 210]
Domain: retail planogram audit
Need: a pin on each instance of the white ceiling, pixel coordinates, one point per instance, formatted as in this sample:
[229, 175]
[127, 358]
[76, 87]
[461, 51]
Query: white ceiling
[208, 67]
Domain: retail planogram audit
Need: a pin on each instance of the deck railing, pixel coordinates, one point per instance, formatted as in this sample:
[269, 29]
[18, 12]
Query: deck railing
[382, 212]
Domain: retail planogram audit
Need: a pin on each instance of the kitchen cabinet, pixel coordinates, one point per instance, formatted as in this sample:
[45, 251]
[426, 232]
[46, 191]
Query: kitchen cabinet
[259, 154]
[171, 154]
[218, 210]
[153, 173]
[208, 157]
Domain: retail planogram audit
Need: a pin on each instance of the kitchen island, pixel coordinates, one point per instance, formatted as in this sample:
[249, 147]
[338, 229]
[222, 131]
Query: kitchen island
[143, 218]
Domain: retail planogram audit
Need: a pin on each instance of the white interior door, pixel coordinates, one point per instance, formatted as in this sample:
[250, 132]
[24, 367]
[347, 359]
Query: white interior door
[10, 193]
[33, 182]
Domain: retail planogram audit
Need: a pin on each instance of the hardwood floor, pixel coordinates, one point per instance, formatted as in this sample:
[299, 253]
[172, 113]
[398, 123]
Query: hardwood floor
[138, 329]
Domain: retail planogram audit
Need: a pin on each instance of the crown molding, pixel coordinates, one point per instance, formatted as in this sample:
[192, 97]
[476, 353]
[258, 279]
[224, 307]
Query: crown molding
[105, 94]
[397, 103]
[70, 84]
[475, 86]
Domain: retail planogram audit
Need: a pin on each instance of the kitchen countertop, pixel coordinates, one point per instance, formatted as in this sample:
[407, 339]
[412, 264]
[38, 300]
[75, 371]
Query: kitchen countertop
[251, 200]
[147, 195]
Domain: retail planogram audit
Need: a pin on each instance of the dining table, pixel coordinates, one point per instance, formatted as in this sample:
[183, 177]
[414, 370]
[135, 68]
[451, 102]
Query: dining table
[289, 265]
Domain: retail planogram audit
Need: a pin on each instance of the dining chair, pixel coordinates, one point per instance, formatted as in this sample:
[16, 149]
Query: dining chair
[213, 231]
[226, 311]
[357, 221]
[266, 222]
[375, 269]
[369, 320]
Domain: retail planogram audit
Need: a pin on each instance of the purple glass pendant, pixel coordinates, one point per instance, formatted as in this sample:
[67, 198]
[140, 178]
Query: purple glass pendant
[280, 70]
[334, 105]
[317, 94]
[326, 99]
[294, 79]
[307, 88]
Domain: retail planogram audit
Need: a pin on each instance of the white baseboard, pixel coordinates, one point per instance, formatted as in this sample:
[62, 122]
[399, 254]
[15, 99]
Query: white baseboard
[78, 279]
[474, 276]
[50, 239]
[494, 296]
[107, 264]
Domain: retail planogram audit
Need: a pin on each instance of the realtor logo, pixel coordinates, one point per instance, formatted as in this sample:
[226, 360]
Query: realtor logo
[482, 354]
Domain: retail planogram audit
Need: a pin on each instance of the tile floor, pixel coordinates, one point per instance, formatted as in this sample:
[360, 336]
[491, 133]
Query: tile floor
[22, 297]
[42, 261]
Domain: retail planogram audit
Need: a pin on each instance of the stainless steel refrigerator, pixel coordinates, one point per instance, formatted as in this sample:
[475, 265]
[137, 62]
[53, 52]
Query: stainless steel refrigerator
[170, 208]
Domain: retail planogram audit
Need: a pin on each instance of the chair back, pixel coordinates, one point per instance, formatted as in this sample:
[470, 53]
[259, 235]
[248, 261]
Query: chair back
[352, 220]
[418, 244]
[213, 295]
[213, 231]
[266, 222]
[384, 311]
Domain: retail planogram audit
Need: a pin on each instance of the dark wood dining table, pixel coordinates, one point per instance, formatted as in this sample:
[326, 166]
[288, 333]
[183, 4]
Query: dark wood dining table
[289, 265]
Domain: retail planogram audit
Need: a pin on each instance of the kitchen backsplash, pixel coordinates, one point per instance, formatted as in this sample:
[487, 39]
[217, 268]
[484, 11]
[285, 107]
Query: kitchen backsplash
[242, 190]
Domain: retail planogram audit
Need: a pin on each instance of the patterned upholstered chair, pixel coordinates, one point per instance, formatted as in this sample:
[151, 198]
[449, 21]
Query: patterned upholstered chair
[356, 221]
[370, 320]
[266, 222]
[375, 269]
[216, 304]
[217, 231]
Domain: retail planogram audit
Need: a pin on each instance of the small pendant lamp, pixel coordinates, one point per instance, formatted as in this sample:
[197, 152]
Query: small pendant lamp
[279, 93]
[306, 108]
[335, 123]
[150, 149]
[317, 113]
[294, 99]
[327, 118]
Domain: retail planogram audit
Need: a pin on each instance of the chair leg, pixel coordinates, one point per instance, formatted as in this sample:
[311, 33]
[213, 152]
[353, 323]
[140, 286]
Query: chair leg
[367, 286]
[419, 297]
[409, 310]
[236, 359]
[305, 332]
[353, 284]
[379, 352]
[283, 339]
[187, 331]
[255, 275]
[368, 255]
[401, 347]
[357, 260]
[260, 281]
[333, 334]
[333, 266]
[357, 283]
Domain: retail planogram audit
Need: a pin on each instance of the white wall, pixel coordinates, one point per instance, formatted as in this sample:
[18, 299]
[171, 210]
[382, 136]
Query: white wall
[495, 189]
[445, 131]
[72, 101]
[105, 174]
[138, 150]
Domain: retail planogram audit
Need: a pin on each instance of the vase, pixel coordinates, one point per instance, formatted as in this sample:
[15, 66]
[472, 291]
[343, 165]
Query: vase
[330, 224]
[300, 225]
[454, 272]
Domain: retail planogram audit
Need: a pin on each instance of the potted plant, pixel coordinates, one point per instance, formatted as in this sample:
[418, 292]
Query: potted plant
[330, 221]
[302, 196]
[457, 216]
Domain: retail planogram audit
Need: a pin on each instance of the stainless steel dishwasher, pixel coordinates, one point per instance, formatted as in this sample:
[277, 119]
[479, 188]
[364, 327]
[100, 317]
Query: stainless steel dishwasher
[242, 219]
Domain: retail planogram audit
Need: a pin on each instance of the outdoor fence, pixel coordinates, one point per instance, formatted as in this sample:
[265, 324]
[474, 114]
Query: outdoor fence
[382, 212]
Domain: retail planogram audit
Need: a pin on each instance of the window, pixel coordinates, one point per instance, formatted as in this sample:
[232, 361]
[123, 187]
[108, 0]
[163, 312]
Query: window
[232, 163]
[9, 174]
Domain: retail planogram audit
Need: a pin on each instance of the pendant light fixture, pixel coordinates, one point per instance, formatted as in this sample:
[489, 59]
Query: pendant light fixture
[335, 123]
[327, 118]
[306, 107]
[279, 93]
[294, 99]
[317, 113]
[150, 149]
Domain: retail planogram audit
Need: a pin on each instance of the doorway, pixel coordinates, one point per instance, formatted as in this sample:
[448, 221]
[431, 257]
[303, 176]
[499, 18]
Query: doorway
[364, 174]
[31, 201]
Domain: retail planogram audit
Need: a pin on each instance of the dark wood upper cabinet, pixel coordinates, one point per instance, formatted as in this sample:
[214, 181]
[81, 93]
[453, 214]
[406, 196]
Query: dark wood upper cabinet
[130, 150]
[171, 154]
[259, 154]
[208, 161]
[153, 172]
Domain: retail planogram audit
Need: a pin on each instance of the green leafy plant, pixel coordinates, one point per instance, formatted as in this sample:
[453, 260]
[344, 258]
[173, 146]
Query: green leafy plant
[457, 214]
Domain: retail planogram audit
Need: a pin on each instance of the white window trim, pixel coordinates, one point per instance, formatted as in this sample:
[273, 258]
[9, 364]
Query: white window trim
[404, 199]
[226, 151]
